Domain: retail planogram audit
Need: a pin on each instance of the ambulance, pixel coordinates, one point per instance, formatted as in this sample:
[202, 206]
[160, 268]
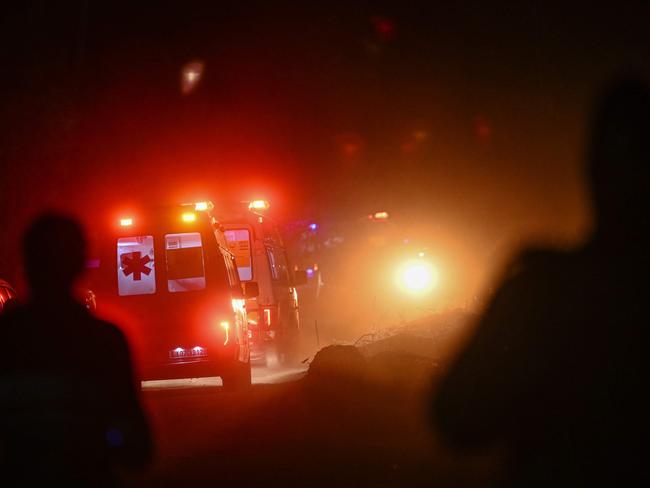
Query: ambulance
[168, 278]
[261, 257]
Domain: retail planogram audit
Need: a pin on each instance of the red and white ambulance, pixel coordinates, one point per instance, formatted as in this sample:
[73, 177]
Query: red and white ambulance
[261, 257]
[168, 278]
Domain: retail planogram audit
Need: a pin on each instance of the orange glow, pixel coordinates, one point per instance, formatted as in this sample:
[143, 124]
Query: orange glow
[380, 216]
[189, 217]
[126, 222]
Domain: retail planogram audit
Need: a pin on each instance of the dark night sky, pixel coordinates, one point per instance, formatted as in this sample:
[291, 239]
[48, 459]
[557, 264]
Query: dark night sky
[467, 115]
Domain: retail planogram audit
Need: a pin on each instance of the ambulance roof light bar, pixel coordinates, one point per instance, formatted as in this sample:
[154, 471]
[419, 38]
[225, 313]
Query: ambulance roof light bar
[203, 206]
[380, 216]
[259, 205]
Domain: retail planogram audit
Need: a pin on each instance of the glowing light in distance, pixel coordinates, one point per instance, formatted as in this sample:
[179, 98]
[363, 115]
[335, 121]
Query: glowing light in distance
[126, 222]
[259, 205]
[189, 217]
[191, 75]
[313, 226]
[380, 216]
[201, 206]
[267, 317]
[417, 277]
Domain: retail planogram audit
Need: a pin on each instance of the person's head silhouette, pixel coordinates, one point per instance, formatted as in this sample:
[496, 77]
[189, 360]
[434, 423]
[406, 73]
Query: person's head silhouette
[619, 165]
[54, 249]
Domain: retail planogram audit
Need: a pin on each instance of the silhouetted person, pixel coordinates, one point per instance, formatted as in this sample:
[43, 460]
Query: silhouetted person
[69, 408]
[557, 370]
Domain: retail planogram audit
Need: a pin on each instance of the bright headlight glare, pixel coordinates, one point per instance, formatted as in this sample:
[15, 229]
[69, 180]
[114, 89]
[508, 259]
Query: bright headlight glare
[417, 277]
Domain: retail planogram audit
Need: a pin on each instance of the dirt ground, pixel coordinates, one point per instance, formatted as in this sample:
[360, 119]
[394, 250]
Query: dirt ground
[349, 422]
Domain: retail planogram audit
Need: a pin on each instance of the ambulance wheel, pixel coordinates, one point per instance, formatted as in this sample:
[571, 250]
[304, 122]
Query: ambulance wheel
[237, 377]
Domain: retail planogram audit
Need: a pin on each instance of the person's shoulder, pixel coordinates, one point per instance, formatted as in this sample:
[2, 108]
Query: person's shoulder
[533, 269]
[14, 316]
[109, 332]
[540, 260]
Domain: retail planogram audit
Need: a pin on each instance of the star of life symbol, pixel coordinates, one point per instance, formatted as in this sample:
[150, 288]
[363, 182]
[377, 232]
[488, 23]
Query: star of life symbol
[134, 263]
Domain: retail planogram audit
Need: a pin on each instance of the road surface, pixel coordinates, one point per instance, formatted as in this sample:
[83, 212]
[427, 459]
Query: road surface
[260, 376]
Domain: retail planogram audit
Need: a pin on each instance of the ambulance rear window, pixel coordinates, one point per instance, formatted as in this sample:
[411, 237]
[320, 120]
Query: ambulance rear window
[185, 269]
[136, 274]
[240, 245]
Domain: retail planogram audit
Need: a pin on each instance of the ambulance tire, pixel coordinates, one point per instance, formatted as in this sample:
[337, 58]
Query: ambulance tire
[237, 377]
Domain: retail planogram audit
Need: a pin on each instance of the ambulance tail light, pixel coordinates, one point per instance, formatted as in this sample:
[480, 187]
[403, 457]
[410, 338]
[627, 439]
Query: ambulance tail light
[269, 316]
[225, 326]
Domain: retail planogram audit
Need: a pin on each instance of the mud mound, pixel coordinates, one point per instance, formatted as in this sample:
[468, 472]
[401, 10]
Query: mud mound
[339, 360]
[402, 370]
[337, 370]
[402, 343]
